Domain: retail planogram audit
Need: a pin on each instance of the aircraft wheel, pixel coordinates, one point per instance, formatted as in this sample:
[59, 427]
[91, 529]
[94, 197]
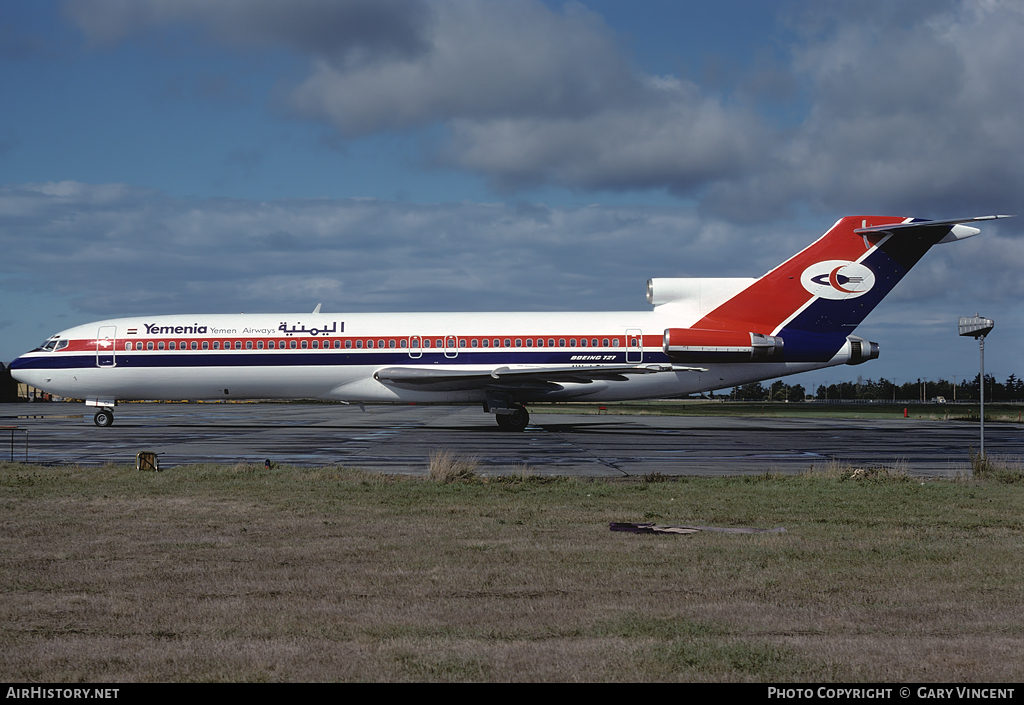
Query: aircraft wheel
[103, 418]
[516, 421]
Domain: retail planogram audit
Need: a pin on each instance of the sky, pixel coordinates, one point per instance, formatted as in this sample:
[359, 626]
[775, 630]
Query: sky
[205, 156]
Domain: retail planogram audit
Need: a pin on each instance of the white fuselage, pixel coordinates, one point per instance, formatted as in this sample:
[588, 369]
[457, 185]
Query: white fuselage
[335, 356]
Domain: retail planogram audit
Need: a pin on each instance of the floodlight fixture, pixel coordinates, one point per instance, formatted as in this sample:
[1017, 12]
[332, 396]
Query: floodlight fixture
[977, 327]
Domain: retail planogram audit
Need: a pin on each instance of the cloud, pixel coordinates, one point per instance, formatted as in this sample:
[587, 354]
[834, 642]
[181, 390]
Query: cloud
[904, 108]
[920, 114]
[118, 250]
[527, 95]
[485, 61]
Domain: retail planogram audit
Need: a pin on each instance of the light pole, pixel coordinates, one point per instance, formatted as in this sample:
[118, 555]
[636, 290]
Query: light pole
[978, 327]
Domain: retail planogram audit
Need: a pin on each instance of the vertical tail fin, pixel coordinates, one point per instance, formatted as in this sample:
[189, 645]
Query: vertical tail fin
[815, 299]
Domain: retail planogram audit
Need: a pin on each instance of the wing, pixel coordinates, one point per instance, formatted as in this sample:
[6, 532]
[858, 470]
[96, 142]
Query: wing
[447, 379]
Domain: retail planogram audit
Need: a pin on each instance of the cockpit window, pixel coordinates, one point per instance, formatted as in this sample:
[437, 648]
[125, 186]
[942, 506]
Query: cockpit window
[51, 344]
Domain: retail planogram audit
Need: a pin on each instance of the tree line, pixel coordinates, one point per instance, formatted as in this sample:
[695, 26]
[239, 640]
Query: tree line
[886, 390]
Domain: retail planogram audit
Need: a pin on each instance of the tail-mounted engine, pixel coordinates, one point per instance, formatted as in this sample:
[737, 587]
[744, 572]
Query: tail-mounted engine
[861, 350]
[695, 345]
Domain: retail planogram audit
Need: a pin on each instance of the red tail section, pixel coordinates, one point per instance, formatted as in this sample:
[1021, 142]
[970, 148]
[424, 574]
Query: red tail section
[805, 309]
[774, 299]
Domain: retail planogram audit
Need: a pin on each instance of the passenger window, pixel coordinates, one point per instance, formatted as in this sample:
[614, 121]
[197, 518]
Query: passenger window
[127, 346]
[508, 343]
[291, 344]
[305, 344]
[160, 345]
[238, 345]
[170, 345]
[248, 345]
[259, 344]
[391, 343]
[551, 342]
[149, 345]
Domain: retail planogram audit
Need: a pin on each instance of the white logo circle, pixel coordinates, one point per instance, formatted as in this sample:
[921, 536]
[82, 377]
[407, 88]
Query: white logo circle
[837, 279]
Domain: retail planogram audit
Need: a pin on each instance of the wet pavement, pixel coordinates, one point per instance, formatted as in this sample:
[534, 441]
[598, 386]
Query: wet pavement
[400, 439]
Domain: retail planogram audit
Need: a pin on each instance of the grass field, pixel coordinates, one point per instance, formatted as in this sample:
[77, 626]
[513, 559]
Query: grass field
[214, 573]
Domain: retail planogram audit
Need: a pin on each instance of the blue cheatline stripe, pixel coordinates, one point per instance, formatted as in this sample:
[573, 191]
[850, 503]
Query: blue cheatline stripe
[140, 360]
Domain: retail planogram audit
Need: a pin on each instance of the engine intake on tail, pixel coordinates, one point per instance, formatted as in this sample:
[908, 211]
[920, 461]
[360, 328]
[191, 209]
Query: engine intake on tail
[861, 350]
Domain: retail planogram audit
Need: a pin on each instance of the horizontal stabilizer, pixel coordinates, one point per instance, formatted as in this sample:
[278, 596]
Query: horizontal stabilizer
[955, 226]
[921, 224]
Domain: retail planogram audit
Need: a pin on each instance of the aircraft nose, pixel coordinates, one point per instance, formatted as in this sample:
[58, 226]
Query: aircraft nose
[20, 370]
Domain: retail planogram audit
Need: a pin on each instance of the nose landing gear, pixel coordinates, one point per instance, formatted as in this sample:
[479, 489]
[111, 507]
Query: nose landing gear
[103, 418]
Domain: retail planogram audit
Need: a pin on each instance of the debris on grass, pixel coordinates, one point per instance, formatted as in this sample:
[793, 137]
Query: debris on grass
[660, 529]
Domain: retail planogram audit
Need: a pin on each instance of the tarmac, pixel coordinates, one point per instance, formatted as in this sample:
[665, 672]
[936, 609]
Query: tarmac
[400, 439]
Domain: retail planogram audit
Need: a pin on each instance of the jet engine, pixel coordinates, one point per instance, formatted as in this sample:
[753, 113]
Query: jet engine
[861, 350]
[696, 345]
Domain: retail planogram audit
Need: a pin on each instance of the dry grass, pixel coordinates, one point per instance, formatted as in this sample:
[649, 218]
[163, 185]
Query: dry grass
[1001, 468]
[447, 466]
[842, 471]
[210, 573]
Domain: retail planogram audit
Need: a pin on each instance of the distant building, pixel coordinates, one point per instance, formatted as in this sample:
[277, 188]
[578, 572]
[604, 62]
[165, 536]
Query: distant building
[8, 386]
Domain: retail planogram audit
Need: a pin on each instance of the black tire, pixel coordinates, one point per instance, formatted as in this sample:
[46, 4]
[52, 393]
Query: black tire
[103, 418]
[518, 420]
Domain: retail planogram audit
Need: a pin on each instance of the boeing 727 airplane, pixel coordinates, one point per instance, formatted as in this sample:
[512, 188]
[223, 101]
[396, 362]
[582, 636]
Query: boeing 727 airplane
[702, 334]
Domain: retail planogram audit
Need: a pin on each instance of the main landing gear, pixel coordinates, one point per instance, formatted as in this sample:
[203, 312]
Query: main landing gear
[510, 414]
[516, 420]
[103, 418]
